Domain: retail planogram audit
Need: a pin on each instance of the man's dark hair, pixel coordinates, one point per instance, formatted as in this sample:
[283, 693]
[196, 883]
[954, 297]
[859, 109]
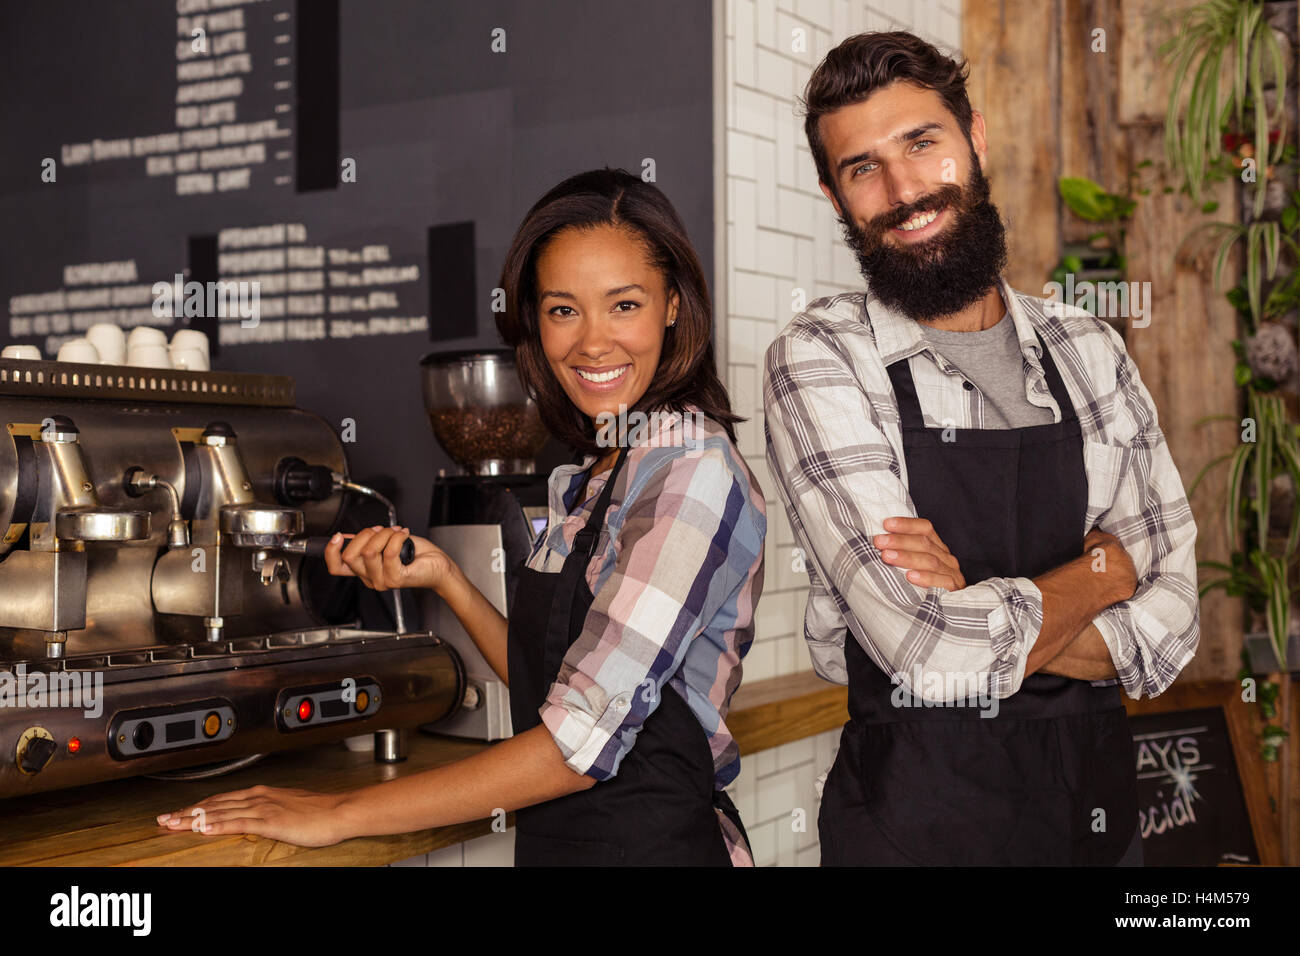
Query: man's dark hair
[867, 62]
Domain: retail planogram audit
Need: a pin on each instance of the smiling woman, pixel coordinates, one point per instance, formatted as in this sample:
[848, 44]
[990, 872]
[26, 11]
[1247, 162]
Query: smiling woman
[609, 315]
[601, 281]
[632, 613]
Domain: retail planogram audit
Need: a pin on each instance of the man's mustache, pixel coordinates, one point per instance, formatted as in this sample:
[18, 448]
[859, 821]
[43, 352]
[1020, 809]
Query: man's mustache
[950, 194]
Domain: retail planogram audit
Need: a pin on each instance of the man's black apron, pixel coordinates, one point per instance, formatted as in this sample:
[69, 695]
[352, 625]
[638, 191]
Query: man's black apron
[1050, 780]
[659, 808]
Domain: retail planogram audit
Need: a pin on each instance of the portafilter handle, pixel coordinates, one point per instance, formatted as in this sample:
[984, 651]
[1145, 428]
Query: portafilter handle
[314, 547]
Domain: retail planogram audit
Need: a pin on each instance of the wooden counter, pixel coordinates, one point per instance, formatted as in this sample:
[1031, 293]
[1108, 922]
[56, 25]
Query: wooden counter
[113, 824]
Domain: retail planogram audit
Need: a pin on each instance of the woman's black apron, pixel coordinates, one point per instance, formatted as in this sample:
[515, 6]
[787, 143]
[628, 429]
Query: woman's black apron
[658, 810]
[1050, 780]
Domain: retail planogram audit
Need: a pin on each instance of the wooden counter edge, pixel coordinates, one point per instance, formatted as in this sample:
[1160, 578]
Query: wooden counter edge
[769, 713]
[763, 714]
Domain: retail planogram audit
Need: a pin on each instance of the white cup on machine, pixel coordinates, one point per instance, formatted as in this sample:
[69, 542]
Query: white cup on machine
[28, 352]
[149, 356]
[110, 341]
[189, 349]
[191, 339]
[79, 350]
[146, 347]
[145, 335]
[192, 359]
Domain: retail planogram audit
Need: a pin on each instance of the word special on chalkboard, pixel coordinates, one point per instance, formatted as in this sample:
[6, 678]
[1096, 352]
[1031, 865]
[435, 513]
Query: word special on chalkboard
[1192, 810]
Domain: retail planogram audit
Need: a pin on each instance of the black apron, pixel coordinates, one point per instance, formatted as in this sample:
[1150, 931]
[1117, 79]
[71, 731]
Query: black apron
[658, 810]
[1049, 780]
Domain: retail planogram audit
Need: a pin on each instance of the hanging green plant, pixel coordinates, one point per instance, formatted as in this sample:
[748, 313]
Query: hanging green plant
[1224, 58]
[1224, 43]
[1259, 574]
[1089, 201]
[1263, 242]
[1104, 251]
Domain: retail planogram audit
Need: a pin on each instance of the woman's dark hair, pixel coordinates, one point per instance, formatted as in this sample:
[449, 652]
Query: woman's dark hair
[686, 372]
[867, 62]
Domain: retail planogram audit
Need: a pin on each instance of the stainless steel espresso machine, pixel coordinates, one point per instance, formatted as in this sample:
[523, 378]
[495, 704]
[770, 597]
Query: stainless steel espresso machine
[487, 517]
[162, 604]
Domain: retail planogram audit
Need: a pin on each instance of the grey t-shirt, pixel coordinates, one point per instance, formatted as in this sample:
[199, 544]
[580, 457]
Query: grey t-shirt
[991, 359]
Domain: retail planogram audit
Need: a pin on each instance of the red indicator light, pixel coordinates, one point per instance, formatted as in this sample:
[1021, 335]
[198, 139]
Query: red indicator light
[74, 744]
[305, 709]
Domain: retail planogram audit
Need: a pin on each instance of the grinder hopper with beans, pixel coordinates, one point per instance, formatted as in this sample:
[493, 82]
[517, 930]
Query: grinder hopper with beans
[486, 516]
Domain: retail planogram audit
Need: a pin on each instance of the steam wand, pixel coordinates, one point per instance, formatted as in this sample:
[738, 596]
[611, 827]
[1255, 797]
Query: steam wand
[342, 483]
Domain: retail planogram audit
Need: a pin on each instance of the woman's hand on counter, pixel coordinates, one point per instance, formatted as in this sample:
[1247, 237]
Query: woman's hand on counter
[300, 817]
[519, 771]
[373, 555]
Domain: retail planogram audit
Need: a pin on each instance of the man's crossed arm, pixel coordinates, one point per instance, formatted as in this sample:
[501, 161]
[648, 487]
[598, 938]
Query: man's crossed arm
[1068, 644]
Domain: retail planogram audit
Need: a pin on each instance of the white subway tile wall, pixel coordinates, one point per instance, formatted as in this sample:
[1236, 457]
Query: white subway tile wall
[783, 248]
[492, 849]
[784, 245]
[778, 798]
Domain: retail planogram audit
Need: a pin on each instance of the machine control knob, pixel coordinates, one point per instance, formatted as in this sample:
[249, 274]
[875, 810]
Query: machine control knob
[219, 433]
[59, 428]
[143, 735]
[295, 481]
[35, 748]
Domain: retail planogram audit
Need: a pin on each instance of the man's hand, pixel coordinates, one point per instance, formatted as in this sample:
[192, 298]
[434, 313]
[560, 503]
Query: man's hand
[913, 544]
[1069, 643]
[1113, 562]
[1085, 658]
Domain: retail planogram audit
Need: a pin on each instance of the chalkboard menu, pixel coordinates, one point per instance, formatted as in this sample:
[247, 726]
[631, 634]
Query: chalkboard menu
[226, 166]
[1192, 808]
[353, 169]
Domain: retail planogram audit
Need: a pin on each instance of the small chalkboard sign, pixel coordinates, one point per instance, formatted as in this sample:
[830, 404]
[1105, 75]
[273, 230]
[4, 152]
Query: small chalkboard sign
[1201, 794]
[1191, 808]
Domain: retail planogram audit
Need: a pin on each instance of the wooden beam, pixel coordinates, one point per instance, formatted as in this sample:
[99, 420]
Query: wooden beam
[1092, 143]
[1014, 82]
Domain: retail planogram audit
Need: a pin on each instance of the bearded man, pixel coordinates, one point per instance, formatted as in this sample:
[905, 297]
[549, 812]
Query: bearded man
[996, 537]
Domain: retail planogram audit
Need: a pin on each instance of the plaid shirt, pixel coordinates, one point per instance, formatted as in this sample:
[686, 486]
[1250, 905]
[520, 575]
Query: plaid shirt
[675, 576]
[834, 447]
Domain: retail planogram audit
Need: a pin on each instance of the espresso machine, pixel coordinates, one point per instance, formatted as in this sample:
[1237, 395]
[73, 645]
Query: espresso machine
[487, 516]
[162, 600]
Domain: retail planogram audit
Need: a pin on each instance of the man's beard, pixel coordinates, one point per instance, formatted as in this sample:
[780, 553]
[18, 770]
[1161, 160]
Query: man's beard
[945, 273]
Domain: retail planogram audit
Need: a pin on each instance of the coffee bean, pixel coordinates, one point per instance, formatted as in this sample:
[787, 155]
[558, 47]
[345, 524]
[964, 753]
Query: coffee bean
[473, 435]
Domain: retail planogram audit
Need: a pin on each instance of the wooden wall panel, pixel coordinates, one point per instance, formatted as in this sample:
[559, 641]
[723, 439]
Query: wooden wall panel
[1185, 353]
[1014, 83]
[1054, 107]
[1091, 141]
[1186, 360]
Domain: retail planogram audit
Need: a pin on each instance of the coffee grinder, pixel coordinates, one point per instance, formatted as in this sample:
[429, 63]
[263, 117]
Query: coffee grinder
[487, 517]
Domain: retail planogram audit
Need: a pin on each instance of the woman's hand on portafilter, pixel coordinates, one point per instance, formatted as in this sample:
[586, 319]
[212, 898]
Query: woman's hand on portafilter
[374, 556]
